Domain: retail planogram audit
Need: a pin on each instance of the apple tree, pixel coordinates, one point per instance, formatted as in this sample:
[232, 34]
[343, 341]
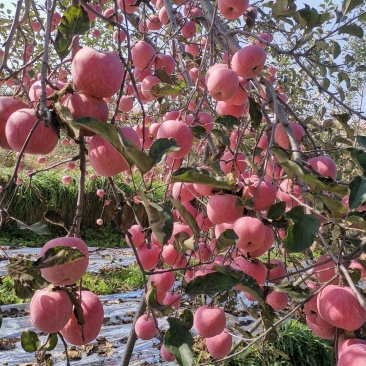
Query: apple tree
[245, 114]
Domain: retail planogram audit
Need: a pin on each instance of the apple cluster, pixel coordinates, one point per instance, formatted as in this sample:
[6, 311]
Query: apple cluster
[52, 309]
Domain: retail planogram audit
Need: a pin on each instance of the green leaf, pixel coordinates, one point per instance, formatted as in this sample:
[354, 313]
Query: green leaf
[357, 194]
[359, 157]
[188, 217]
[115, 137]
[54, 218]
[361, 140]
[187, 318]
[326, 83]
[255, 112]
[160, 219]
[336, 49]
[178, 340]
[193, 175]
[277, 210]
[342, 76]
[57, 256]
[334, 206]
[30, 341]
[65, 119]
[163, 89]
[224, 279]
[75, 21]
[295, 292]
[221, 136]
[361, 68]
[226, 239]
[307, 18]
[211, 284]
[294, 170]
[349, 5]
[183, 242]
[27, 278]
[51, 342]
[152, 302]
[161, 147]
[228, 121]
[302, 232]
[38, 228]
[352, 29]
[357, 221]
[246, 282]
[199, 132]
[283, 8]
[163, 76]
[362, 17]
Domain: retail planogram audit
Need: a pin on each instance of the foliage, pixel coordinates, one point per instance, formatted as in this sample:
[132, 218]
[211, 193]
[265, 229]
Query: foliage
[290, 157]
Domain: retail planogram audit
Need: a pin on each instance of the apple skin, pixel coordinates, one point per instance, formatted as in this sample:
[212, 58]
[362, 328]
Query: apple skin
[277, 270]
[143, 55]
[354, 355]
[344, 343]
[105, 159]
[223, 109]
[325, 271]
[145, 327]
[8, 106]
[220, 345]
[321, 332]
[250, 231]
[126, 5]
[209, 321]
[222, 83]
[263, 193]
[166, 355]
[181, 133]
[85, 105]
[277, 300]
[163, 281]
[97, 73]
[248, 62]
[340, 307]
[50, 310]
[236, 166]
[18, 126]
[281, 137]
[324, 165]
[232, 9]
[148, 255]
[68, 273]
[254, 268]
[93, 314]
[221, 208]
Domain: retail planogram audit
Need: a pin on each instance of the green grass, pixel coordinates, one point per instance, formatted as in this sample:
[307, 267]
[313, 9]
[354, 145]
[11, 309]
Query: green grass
[7, 293]
[114, 280]
[296, 345]
[107, 281]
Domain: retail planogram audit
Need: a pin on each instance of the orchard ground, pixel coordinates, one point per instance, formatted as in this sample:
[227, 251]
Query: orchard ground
[119, 310]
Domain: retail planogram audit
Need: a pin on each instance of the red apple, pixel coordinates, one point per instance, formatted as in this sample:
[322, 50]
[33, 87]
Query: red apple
[18, 126]
[248, 62]
[8, 106]
[50, 310]
[93, 313]
[97, 73]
